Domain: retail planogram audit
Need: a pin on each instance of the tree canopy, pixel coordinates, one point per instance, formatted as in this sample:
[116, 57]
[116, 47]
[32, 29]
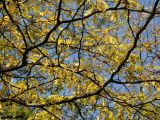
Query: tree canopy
[80, 59]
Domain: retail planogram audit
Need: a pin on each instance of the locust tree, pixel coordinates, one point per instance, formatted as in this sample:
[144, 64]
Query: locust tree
[80, 59]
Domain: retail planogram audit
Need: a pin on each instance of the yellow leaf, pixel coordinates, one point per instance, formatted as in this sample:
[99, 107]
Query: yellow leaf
[8, 65]
[113, 17]
[60, 41]
[101, 5]
[89, 11]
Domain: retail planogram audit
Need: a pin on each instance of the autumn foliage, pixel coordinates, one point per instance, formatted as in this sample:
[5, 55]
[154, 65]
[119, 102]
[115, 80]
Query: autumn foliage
[80, 59]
